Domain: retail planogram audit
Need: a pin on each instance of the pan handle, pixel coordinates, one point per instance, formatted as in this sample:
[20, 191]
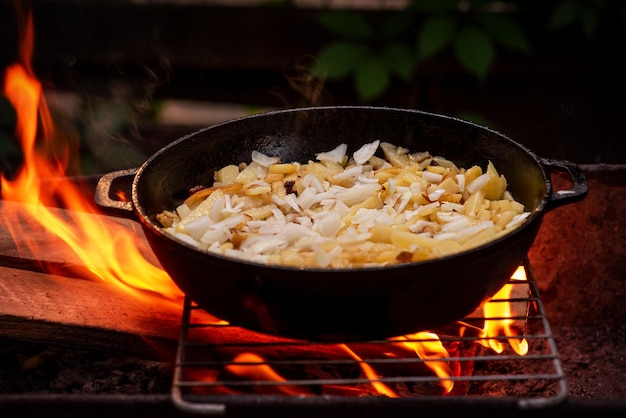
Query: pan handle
[579, 181]
[105, 190]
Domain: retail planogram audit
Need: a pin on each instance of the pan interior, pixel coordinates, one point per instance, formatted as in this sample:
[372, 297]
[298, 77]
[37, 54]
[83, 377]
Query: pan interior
[298, 135]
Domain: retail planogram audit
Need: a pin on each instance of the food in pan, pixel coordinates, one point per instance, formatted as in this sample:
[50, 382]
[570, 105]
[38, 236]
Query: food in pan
[346, 211]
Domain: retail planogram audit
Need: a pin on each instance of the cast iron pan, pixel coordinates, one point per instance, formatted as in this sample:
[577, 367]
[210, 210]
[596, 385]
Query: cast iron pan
[339, 304]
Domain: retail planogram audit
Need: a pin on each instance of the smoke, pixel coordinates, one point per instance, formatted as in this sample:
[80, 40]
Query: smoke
[310, 90]
[105, 114]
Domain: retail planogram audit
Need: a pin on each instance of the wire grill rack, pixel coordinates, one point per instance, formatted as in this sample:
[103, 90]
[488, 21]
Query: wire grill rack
[218, 365]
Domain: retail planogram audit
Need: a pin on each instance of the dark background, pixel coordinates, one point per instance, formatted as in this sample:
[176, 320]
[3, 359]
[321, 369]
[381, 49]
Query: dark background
[566, 100]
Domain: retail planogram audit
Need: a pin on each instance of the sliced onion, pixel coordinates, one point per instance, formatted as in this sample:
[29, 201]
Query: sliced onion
[264, 160]
[478, 183]
[335, 156]
[349, 173]
[328, 226]
[432, 177]
[363, 154]
[197, 227]
[357, 193]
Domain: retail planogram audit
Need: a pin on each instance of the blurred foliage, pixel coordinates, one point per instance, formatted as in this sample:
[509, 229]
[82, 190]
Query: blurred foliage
[373, 50]
[586, 13]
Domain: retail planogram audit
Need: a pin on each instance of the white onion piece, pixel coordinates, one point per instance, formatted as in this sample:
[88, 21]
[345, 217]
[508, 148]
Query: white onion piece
[328, 226]
[293, 232]
[264, 160]
[307, 198]
[517, 220]
[310, 180]
[183, 210]
[229, 222]
[197, 227]
[460, 180]
[323, 258]
[263, 245]
[357, 193]
[353, 238]
[337, 155]
[392, 185]
[363, 154]
[431, 177]
[456, 225]
[215, 213]
[405, 198]
[478, 183]
[292, 201]
[349, 173]
[436, 194]
[472, 230]
[215, 236]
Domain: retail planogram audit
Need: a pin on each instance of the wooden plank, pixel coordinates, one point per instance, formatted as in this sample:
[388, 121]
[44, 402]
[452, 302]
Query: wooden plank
[74, 306]
[86, 314]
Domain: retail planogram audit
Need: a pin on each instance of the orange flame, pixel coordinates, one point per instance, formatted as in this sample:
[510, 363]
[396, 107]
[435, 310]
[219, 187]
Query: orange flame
[428, 347]
[252, 367]
[503, 326]
[371, 374]
[109, 251]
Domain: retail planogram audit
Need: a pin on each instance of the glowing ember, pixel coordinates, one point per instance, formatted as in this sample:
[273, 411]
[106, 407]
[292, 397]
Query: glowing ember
[108, 252]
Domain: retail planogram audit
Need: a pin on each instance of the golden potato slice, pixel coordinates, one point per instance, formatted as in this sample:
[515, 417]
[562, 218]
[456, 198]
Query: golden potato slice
[201, 194]
[260, 212]
[283, 168]
[203, 209]
[496, 185]
[227, 174]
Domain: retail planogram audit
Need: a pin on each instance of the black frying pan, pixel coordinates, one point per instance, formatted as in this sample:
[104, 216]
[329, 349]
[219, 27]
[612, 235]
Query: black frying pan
[339, 304]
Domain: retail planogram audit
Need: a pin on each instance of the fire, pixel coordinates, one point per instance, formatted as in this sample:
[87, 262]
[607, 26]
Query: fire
[502, 326]
[250, 366]
[429, 348]
[111, 253]
[371, 374]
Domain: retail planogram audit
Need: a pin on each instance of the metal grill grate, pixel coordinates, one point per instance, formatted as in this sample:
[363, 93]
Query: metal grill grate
[219, 365]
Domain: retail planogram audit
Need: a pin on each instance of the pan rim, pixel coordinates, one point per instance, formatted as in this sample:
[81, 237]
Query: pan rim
[535, 216]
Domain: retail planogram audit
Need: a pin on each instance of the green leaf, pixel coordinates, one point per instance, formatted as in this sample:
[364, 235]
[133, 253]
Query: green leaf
[396, 24]
[434, 35]
[435, 6]
[474, 50]
[398, 58]
[371, 78]
[565, 13]
[505, 31]
[338, 59]
[589, 22]
[346, 23]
